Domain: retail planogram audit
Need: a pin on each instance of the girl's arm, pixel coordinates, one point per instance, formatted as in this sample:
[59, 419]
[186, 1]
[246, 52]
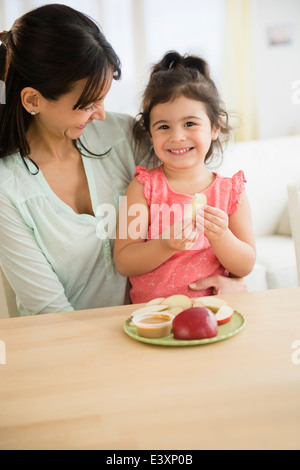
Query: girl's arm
[231, 237]
[133, 254]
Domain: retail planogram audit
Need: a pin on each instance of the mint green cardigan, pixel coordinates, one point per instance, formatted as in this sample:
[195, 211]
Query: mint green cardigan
[55, 259]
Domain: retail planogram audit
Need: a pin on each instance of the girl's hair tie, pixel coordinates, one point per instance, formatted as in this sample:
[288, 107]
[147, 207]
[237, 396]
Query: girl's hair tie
[4, 36]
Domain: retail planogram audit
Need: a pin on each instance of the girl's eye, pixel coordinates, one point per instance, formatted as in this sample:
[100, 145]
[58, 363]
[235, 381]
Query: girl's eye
[89, 108]
[189, 124]
[164, 126]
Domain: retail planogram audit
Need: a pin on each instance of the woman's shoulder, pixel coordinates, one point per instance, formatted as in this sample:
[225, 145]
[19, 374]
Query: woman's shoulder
[9, 168]
[100, 136]
[15, 179]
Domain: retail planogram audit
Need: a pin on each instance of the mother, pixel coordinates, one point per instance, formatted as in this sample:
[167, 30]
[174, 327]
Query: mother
[61, 158]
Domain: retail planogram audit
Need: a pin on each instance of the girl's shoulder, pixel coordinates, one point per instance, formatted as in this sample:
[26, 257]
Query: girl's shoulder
[147, 175]
[235, 182]
[228, 191]
[151, 179]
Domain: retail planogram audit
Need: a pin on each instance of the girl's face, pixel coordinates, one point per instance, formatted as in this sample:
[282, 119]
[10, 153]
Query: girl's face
[181, 132]
[59, 119]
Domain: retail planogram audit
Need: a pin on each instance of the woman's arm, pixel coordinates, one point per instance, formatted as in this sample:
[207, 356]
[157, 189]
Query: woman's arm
[231, 237]
[36, 285]
[133, 254]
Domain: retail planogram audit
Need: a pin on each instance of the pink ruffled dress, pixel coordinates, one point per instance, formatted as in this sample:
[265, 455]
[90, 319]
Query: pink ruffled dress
[166, 207]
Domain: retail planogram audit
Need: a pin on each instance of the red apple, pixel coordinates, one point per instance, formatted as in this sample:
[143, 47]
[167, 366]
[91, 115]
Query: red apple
[195, 323]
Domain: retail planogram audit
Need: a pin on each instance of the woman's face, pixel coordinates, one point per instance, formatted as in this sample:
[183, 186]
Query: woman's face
[59, 119]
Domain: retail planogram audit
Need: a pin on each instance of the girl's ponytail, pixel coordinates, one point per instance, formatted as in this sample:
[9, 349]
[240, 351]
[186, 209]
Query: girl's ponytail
[173, 60]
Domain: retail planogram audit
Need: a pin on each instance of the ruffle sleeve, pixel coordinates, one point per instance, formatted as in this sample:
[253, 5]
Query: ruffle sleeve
[238, 187]
[144, 177]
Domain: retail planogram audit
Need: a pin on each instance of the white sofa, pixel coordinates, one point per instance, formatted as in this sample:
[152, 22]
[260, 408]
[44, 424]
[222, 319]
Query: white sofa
[269, 166]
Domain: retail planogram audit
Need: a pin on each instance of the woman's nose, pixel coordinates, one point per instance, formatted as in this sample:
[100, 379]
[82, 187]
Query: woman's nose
[99, 114]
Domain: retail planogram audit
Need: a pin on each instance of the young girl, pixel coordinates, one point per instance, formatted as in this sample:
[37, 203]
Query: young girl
[157, 245]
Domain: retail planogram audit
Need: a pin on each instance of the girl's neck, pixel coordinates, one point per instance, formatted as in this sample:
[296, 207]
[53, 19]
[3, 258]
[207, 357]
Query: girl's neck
[188, 180]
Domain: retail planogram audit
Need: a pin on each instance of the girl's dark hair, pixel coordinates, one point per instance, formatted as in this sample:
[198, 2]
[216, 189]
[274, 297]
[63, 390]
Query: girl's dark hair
[50, 49]
[188, 76]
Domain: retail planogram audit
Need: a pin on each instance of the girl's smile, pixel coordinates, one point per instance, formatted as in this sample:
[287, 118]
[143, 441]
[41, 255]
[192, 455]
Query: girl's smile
[183, 151]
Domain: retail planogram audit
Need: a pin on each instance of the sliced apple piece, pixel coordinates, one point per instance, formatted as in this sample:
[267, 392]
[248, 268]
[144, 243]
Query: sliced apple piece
[178, 300]
[199, 199]
[213, 303]
[175, 310]
[224, 314]
[156, 301]
[150, 308]
[198, 303]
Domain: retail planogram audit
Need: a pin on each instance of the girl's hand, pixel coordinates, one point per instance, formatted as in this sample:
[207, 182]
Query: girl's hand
[181, 236]
[214, 222]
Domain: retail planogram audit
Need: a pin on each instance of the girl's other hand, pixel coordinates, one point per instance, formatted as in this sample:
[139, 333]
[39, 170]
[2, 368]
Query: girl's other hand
[213, 222]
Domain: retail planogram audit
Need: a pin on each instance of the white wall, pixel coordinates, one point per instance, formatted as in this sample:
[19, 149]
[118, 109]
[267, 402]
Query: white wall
[277, 69]
[142, 30]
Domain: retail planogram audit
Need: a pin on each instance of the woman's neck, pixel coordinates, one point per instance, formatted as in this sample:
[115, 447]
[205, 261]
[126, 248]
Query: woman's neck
[49, 148]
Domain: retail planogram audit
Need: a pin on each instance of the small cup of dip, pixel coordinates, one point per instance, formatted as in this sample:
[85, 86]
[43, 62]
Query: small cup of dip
[153, 324]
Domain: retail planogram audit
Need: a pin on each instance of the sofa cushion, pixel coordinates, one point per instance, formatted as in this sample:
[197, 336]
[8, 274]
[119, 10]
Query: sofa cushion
[269, 166]
[277, 254]
[257, 279]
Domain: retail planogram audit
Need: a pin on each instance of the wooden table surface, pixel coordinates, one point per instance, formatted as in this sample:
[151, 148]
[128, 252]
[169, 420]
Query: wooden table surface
[77, 381]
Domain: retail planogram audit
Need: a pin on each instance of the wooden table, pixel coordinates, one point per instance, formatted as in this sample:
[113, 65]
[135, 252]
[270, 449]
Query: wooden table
[77, 381]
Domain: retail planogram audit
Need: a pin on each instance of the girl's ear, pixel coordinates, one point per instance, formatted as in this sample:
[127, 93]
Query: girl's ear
[216, 131]
[215, 134]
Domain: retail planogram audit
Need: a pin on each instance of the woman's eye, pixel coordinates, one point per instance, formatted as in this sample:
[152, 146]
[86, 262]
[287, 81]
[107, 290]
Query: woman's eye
[89, 108]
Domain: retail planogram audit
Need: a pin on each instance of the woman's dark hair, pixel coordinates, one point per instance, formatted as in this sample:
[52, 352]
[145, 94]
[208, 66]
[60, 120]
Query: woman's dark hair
[50, 49]
[188, 76]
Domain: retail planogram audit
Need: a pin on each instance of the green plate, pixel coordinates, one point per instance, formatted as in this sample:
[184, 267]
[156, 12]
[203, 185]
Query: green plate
[226, 331]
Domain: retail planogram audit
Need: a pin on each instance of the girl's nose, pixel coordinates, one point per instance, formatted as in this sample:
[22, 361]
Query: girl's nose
[178, 135]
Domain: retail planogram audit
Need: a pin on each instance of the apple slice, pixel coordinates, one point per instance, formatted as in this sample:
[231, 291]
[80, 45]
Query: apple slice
[175, 310]
[213, 303]
[178, 300]
[224, 314]
[156, 301]
[150, 308]
[199, 200]
[198, 303]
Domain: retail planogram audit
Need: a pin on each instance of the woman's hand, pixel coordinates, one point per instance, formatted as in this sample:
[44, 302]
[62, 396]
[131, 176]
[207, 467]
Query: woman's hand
[221, 284]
